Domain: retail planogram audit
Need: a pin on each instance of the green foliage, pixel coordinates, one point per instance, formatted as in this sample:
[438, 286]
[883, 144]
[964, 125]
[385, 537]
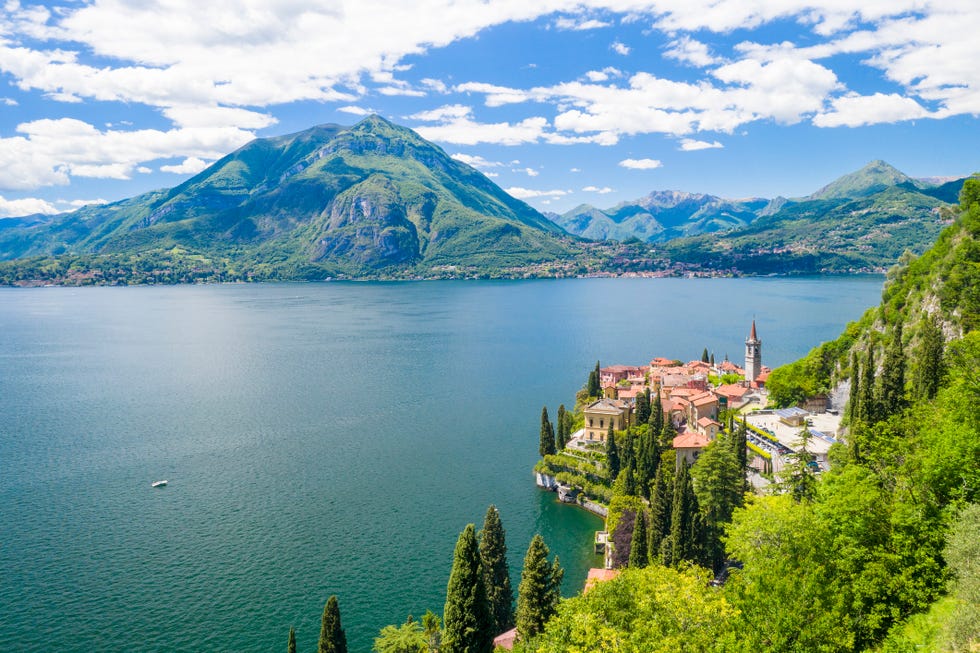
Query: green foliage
[962, 552]
[686, 530]
[546, 441]
[638, 542]
[612, 455]
[718, 480]
[291, 642]
[540, 590]
[468, 623]
[407, 638]
[493, 560]
[332, 637]
[928, 367]
[564, 432]
[653, 610]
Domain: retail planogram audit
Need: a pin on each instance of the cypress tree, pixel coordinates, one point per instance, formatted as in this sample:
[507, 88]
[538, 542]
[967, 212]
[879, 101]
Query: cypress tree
[627, 458]
[704, 355]
[854, 394]
[291, 644]
[868, 412]
[332, 637]
[667, 434]
[638, 544]
[629, 482]
[712, 361]
[643, 407]
[656, 420]
[661, 505]
[684, 522]
[612, 455]
[594, 387]
[563, 435]
[546, 443]
[539, 591]
[468, 624]
[893, 373]
[929, 368]
[493, 559]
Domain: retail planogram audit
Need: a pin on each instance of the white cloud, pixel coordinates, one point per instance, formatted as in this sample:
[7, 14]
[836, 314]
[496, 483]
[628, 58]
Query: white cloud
[355, 110]
[578, 24]
[25, 206]
[857, 110]
[465, 131]
[495, 95]
[620, 48]
[77, 204]
[476, 161]
[605, 74]
[527, 193]
[640, 164]
[445, 112]
[50, 152]
[575, 170]
[595, 189]
[189, 166]
[7, 101]
[690, 51]
[530, 172]
[690, 145]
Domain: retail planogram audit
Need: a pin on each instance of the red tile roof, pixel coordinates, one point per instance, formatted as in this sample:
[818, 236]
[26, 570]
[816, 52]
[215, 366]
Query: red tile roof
[599, 575]
[691, 440]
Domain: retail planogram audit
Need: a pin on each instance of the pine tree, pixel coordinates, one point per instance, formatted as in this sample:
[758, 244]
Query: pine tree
[719, 485]
[563, 435]
[493, 559]
[639, 542]
[468, 624]
[612, 455]
[893, 374]
[539, 591]
[291, 644]
[929, 369]
[332, 637]
[546, 443]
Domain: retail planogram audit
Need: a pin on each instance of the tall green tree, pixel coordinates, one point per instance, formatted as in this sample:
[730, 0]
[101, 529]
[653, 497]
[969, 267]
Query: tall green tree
[431, 630]
[496, 576]
[929, 368]
[643, 407]
[893, 373]
[332, 637]
[546, 442]
[661, 506]
[656, 420]
[468, 623]
[540, 589]
[704, 355]
[854, 392]
[739, 444]
[798, 476]
[869, 400]
[638, 544]
[593, 387]
[685, 532]
[563, 435]
[291, 644]
[719, 485]
[612, 455]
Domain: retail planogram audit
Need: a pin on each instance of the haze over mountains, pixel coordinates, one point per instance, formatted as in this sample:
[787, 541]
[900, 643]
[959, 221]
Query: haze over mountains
[376, 200]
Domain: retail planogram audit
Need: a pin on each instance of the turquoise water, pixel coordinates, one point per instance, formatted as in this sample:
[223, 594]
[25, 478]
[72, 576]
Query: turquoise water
[318, 439]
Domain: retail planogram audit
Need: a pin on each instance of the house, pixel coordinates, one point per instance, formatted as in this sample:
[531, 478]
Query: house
[689, 446]
[505, 640]
[731, 395]
[708, 427]
[615, 373]
[703, 404]
[600, 414]
[760, 380]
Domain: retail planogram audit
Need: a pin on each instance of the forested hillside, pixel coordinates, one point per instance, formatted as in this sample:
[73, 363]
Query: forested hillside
[879, 553]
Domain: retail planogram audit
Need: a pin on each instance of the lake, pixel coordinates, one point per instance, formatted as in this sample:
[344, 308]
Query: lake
[318, 439]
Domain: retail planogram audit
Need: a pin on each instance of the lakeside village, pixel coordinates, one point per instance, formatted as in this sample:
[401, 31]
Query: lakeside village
[686, 407]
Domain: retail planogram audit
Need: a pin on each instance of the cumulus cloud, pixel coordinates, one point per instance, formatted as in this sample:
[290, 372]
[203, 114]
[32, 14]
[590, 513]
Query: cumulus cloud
[640, 164]
[579, 24]
[605, 190]
[690, 51]
[527, 193]
[620, 48]
[189, 166]
[466, 131]
[25, 206]
[690, 145]
[606, 73]
[476, 161]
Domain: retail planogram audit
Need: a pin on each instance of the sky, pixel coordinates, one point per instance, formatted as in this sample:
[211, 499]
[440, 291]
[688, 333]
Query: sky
[559, 102]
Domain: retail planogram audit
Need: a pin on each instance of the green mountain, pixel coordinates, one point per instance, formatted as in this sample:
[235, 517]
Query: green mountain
[370, 199]
[856, 223]
[660, 216]
[872, 178]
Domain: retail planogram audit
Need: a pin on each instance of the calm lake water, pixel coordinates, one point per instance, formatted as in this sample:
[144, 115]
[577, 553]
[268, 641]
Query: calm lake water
[318, 439]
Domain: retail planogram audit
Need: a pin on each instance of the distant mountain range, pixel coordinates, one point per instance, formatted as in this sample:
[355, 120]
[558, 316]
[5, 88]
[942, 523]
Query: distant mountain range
[356, 201]
[376, 200]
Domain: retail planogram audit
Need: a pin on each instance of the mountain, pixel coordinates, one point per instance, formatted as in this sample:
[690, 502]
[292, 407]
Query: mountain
[331, 200]
[871, 179]
[660, 216]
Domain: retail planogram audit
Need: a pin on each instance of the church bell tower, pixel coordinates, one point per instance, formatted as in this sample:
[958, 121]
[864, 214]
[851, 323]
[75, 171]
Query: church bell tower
[753, 356]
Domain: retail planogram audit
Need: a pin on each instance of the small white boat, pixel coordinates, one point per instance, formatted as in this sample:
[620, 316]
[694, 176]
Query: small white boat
[158, 483]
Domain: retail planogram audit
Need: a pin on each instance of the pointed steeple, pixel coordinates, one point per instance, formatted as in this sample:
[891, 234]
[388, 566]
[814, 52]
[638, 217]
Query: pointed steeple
[752, 335]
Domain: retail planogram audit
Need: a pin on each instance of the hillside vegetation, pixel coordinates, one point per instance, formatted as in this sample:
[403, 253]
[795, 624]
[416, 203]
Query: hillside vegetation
[877, 554]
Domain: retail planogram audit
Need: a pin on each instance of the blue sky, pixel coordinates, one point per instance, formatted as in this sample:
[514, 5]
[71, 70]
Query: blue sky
[560, 102]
